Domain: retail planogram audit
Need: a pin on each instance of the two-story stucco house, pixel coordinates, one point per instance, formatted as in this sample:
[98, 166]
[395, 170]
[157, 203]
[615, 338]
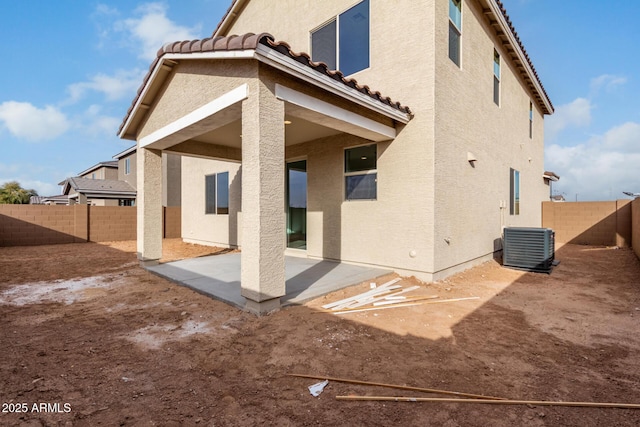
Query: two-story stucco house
[413, 156]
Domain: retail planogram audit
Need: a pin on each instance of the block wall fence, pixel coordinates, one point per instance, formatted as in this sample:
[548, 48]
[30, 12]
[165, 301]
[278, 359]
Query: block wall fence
[31, 225]
[592, 223]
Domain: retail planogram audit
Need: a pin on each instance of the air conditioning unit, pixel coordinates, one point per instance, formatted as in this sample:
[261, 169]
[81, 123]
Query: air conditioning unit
[528, 248]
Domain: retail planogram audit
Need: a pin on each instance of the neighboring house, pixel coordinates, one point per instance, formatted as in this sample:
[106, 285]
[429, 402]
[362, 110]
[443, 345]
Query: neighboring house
[103, 170]
[549, 179]
[98, 192]
[171, 174]
[280, 153]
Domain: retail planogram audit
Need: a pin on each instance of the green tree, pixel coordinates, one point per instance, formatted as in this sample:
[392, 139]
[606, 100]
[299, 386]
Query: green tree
[12, 193]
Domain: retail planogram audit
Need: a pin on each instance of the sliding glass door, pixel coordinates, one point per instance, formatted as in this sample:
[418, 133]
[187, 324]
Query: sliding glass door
[297, 204]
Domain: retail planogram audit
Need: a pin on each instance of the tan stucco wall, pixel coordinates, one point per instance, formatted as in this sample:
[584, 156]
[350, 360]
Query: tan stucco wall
[132, 177]
[427, 191]
[385, 231]
[197, 227]
[468, 199]
[171, 180]
[193, 84]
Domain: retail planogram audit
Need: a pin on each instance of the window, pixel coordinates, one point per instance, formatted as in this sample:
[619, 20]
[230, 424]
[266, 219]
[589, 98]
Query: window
[496, 77]
[455, 30]
[530, 119]
[126, 202]
[216, 189]
[93, 175]
[514, 189]
[360, 173]
[343, 42]
[127, 166]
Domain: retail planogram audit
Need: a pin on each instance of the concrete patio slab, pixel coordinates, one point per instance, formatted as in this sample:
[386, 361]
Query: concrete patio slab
[218, 276]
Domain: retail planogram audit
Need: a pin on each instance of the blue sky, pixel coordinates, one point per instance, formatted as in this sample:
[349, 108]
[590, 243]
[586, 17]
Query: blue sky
[72, 68]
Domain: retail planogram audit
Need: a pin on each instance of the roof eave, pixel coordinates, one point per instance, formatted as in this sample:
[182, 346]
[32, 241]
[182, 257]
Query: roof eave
[275, 60]
[125, 152]
[497, 12]
[229, 17]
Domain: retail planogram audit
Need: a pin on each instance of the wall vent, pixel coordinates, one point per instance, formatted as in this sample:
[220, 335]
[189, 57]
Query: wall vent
[530, 249]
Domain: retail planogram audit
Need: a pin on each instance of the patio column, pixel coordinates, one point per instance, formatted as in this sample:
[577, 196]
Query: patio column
[149, 209]
[263, 216]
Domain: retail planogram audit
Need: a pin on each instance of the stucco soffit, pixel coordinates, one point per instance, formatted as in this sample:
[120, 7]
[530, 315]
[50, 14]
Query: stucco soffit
[335, 117]
[188, 126]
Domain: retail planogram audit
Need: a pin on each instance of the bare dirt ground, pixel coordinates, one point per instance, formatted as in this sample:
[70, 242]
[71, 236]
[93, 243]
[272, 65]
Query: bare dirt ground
[84, 325]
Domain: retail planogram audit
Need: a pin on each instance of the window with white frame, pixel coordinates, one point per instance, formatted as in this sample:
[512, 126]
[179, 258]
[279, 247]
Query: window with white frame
[360, 173]
[530, 119]
[216, 189]
[127, 166]
[343, 42]
[455, 30]
[496, 77]
[514, 189]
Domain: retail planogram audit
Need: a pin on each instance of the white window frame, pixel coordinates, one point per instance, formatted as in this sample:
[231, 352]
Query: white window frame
[514, 190]
[497, 77]
[358, 173]
[459, 31]
[127, 166]
[216, 194]
[530, 119]
[336, 18]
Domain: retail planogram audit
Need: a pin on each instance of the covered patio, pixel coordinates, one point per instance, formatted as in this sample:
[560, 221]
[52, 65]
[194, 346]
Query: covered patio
[218, 276]
[245, 99]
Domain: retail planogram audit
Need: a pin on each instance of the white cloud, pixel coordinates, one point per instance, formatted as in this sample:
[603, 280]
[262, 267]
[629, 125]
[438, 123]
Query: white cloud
[122, 84]
[94, 123]
[600, 168]
[26, 121]
[577, 113]
[152, 29]
[607, 81]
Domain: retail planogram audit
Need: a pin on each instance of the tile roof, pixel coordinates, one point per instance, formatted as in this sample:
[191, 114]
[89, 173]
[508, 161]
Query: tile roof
[513, 31]
[229, 13]
[87, 185]
[251, 41]
[107, 164]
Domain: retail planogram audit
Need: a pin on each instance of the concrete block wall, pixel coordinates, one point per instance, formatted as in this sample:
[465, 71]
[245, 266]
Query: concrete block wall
[112, 223]
[32, 225]
[590, 223]
[24, 225]
[635, 226]
[172, 222]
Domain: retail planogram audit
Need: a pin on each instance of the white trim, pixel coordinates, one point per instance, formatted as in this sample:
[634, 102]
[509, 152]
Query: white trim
[220, 54]
[225, 101]
[300, 99]
[323, 81]
[125, 152]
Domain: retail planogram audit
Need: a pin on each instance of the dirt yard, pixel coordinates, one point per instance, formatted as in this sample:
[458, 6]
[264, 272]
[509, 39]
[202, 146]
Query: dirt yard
[85, 330]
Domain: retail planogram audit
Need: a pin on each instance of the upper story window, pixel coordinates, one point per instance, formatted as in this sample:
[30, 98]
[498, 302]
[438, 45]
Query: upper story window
[455, 30]
[127, 166]
[343, 42]
[360, 173]
[216, 189]
[93, 175]
[514, 197]
[530, 119]
[496, 77]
